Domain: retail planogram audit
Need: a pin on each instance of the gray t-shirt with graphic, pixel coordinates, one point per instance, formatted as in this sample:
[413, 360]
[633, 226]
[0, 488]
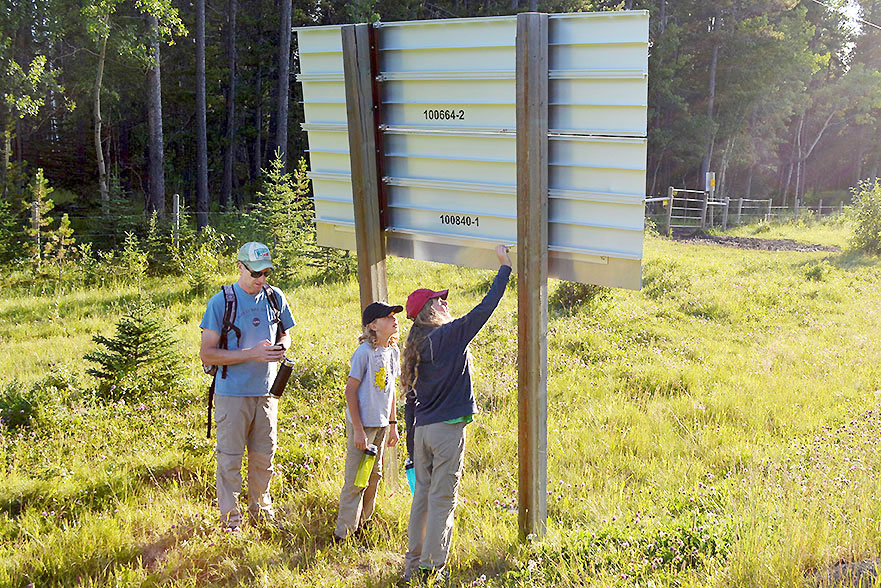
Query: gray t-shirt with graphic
[377, 370]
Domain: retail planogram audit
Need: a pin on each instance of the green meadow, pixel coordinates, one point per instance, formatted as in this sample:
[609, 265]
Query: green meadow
[720, 427]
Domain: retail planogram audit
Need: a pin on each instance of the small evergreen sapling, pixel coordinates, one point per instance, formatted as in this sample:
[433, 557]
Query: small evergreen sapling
[141, 359]
[39, 208]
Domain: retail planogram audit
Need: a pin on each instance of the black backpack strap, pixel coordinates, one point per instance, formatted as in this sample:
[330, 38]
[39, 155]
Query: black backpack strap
[275, 307]
[211, 403]
[229, 318]
[228, 324]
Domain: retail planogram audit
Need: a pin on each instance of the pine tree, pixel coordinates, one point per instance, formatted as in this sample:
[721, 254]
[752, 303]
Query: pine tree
[139, 360]
[39, 207]
[283, 213]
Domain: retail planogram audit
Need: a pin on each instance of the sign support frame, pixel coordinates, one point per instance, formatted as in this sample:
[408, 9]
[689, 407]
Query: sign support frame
[365, 154]
[532, 269]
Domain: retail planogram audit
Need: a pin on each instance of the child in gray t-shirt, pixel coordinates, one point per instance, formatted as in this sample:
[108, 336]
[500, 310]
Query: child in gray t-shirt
[370, 412]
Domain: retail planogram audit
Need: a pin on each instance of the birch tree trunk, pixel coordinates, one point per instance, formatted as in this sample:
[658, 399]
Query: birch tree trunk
[156, 187]
[662, 17]
[99, 148]
[7, 145]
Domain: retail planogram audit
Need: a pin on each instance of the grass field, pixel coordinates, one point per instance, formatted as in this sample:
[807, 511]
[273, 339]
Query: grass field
[718, 428]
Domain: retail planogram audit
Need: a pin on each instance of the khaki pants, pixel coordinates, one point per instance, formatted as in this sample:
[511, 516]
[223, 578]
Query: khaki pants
[357, 504]
[438, 461]
[245, 421]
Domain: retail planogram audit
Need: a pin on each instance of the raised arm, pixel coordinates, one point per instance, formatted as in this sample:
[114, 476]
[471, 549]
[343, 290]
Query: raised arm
[460, 332]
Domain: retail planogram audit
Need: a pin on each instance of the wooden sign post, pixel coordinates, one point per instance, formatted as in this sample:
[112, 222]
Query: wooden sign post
[365, 152]
[532, 269]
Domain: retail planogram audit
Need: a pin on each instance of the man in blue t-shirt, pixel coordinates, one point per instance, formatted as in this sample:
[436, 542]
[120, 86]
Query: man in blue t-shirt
[245, 413]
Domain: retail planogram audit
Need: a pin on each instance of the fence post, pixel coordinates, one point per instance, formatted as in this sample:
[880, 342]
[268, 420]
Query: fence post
[35, 225]
[725, 213]
[820, 208]
[739, 209]
[768, 214]
[670, 194]
[175, 215]
[704, 205]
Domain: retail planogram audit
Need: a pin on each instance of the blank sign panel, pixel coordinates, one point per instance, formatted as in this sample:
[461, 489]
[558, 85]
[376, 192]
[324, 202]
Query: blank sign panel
[448, 116]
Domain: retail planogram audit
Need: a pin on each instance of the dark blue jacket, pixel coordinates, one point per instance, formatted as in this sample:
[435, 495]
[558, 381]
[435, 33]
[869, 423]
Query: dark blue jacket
[443, 383]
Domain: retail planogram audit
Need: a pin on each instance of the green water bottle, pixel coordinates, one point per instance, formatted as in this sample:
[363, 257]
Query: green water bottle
[366, 467]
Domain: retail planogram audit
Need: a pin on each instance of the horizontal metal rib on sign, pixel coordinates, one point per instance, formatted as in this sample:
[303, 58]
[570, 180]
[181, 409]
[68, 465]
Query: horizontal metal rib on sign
[598, 44]
[450, 101]
[337, 50]
[597, 74]
[336, 200]
[450, 186]
[562, 221]
[504, 74]
[599, 104]
[436, 22]
[446, 47]
[395, 76]
[463, 132]
[595, 197]
[604, 134]
[331, 176]
[330, 76]
[327, 127]
[501, 103]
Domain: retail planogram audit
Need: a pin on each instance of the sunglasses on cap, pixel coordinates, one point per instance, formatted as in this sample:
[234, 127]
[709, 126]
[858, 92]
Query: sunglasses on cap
[254, 274]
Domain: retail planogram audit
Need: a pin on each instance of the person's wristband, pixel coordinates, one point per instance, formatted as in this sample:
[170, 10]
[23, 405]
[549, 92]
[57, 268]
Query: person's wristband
[393, 422]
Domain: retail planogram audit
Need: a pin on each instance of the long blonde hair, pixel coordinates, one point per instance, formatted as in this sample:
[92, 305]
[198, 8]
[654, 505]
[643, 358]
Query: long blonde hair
[369, 334]
[428, 319]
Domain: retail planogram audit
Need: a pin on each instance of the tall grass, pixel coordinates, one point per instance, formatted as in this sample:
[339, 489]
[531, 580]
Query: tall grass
[718, 428]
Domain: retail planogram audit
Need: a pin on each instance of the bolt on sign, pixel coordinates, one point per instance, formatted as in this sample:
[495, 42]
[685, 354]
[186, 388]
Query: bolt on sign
[446, 91]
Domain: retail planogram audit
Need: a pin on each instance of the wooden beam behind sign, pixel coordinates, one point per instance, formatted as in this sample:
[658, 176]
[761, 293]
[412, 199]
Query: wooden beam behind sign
[363, 148]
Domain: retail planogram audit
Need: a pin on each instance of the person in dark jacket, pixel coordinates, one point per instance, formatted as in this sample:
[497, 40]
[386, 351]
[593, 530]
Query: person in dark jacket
[436, 379]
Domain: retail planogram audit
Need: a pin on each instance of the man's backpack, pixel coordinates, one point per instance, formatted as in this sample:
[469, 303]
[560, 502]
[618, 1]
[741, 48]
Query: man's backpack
[228, 324]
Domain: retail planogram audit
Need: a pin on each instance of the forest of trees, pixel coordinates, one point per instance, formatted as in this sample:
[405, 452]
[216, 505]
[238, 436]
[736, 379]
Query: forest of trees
[124, 102]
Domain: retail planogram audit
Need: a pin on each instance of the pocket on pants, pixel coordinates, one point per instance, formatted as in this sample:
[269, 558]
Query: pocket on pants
[221, 409]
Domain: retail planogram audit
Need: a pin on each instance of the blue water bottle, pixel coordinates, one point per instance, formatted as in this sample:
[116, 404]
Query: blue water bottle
[411, 475]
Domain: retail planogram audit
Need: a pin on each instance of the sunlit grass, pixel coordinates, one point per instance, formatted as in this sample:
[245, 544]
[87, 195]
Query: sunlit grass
[726, 405]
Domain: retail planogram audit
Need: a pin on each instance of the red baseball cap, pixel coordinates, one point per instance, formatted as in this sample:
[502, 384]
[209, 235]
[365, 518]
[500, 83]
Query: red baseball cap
[418, 298]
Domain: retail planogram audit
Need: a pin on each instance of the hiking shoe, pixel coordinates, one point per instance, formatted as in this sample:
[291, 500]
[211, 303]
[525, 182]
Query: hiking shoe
[434, 576]
[409, 577]
[334, 538]
[362, 529]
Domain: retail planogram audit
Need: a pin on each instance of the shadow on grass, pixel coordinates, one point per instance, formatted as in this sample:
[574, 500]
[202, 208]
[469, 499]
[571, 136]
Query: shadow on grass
[848, 259]
[67, 502]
